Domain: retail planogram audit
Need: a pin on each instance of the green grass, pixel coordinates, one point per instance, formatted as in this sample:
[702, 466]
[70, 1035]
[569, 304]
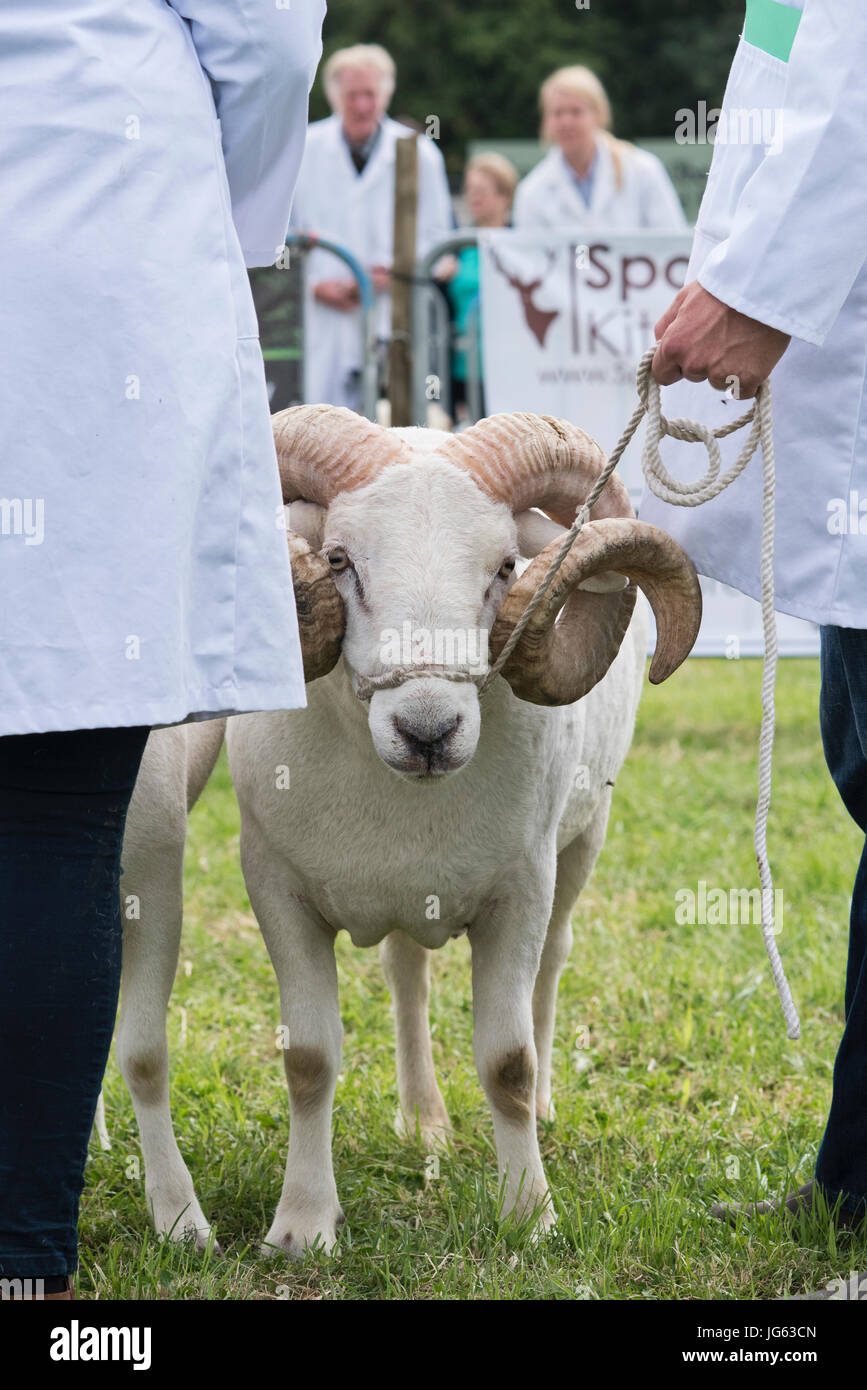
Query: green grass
[687, 1093]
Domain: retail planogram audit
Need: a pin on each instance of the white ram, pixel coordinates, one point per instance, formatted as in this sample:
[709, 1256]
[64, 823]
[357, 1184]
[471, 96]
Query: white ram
[416, 808]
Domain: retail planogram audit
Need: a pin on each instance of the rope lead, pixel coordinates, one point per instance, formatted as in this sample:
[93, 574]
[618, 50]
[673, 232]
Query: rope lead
[680, 494]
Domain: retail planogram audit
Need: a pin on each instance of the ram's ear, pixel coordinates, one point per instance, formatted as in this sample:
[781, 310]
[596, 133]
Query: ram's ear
[536, 530]
[307, 519]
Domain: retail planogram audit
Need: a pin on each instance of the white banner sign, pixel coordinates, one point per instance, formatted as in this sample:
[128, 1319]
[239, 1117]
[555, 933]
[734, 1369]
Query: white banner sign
[564, 323]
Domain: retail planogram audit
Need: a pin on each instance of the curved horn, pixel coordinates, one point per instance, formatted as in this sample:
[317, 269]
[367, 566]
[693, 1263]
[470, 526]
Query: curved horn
[323, 450]
[556, 663]
[536, 461]
[321, 619]
[326, 449]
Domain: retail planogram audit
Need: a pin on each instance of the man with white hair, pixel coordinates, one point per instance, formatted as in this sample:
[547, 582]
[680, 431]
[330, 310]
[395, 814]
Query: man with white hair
[345, 193]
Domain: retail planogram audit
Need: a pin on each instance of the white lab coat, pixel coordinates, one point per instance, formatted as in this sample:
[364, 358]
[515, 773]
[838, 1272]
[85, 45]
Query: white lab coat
[549, 196]
[334, 201]
[147, 151]
[782, 237]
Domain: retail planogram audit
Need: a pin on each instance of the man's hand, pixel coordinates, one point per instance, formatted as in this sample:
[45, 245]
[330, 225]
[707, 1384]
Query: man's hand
[445, 269]
[381, 277]
[702, 339]
[337, 294]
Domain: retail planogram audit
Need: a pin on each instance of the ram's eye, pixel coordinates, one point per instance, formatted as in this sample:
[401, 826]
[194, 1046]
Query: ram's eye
[338, 560]
[507, 568]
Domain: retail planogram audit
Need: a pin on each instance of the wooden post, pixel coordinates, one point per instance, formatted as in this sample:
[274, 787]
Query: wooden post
[403, 261]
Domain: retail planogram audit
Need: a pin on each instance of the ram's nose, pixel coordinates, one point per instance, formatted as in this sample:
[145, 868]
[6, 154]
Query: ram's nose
[426, 729]
[427, 740]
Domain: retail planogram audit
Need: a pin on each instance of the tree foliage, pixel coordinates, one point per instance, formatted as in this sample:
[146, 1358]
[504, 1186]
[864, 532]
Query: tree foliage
[478, 64]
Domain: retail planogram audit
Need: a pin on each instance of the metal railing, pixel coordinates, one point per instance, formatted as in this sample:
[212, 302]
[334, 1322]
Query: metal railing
[369, 356]
[432, 337]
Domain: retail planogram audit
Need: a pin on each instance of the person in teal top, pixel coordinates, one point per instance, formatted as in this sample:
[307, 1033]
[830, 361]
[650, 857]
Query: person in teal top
[489, 186]
[463, 295]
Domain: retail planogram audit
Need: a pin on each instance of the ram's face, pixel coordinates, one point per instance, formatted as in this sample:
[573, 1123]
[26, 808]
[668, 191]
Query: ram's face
[422, 561]
[405, 547]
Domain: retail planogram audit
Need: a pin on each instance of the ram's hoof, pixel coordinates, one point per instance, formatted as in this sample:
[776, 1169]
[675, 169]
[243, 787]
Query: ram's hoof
[433, 1134]
[300, 1238]
[545, 1109]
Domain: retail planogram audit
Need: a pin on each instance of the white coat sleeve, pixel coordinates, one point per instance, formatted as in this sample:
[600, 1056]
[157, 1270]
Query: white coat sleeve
[435, 216]
[299, 215]
[798, 236]
[660, 205]
[261, 59]
[525, 211]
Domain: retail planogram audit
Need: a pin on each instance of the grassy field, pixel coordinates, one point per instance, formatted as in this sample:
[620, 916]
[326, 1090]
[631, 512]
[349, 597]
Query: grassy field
[686, 1092]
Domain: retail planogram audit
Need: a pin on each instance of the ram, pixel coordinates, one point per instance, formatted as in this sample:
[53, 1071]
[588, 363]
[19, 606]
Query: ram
[420, 805]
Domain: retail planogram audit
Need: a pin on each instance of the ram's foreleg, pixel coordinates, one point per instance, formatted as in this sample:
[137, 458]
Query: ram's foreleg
[507, 945]
[301, 946]
[574, 866]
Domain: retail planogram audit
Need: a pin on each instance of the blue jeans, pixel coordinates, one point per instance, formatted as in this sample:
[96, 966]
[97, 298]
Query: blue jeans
[841, 1165]
[63, 804]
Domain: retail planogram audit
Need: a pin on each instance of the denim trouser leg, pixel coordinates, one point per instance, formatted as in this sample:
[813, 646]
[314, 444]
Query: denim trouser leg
[841, 1166]
[63, 804]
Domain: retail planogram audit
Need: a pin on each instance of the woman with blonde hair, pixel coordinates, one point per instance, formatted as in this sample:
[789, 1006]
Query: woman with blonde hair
[589, 179]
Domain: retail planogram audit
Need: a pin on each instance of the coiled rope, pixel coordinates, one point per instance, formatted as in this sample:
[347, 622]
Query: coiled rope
[679, 494]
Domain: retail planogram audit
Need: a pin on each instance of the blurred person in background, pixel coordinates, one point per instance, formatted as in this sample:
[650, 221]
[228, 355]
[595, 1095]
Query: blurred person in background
[589, 180]
[345, 194]
[489, 187]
